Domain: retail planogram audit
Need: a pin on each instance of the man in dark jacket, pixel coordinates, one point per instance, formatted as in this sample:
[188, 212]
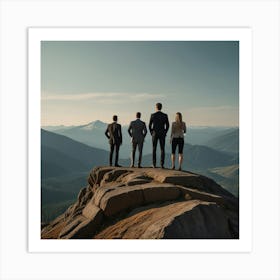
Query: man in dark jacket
[158, 127]
[114, 134]
[137, 131]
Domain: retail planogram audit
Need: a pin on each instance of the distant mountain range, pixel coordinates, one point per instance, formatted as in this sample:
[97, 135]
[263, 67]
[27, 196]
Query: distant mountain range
[65, 162]
[92, 134]
[62, 155]
[196, 157]
[65, 165]
[228, 142]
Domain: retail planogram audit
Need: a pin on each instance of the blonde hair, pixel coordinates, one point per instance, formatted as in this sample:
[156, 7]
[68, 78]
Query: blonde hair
[179, 119]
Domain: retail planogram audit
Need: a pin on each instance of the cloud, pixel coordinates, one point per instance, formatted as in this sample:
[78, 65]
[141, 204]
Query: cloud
[102, 96]
[216, 116]
[214, 108]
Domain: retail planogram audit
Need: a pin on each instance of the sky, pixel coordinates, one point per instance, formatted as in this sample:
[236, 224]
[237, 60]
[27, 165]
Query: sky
[84, 81]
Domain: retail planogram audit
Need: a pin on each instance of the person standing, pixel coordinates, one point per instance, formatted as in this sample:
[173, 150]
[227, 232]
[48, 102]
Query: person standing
[137, 130]
[114, 134]
[178, 129]
[158, 127]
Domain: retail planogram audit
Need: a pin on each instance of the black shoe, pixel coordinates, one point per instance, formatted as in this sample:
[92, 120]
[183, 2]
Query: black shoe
[116, 165]
[162, 166]
[173, 168]
[139, 166]
[132, 166]
[180, 169]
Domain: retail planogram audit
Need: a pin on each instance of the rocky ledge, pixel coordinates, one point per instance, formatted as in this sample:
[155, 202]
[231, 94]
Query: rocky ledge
[148, 203]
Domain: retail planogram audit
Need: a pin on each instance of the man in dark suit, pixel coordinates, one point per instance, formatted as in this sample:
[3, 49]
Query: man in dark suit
[158, 127]
[137, 131]
[114, 134]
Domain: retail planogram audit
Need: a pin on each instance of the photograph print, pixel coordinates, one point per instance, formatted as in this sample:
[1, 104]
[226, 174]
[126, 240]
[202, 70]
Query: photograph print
[139, 139]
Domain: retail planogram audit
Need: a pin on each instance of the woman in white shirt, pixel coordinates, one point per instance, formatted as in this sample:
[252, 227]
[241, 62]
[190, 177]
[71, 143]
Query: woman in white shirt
[177, 139]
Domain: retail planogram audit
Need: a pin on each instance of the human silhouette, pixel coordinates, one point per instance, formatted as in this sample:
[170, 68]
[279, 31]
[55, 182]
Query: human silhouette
[114, 134]
[158, 127]
[137, 131]
[178, 129]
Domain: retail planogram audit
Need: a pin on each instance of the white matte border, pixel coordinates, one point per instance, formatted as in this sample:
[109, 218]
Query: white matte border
[243, 35]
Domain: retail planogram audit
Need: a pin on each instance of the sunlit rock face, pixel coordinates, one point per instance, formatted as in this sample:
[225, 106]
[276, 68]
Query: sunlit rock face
[148, 203]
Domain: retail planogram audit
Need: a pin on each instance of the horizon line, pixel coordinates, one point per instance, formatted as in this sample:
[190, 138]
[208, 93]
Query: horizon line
[84, 124]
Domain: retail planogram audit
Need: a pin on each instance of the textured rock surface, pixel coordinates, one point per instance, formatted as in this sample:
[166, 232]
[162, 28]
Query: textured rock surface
[186, 219]
[148, 203]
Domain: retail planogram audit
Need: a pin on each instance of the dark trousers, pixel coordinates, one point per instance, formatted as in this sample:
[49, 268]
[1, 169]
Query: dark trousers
[140, 149]
[161, 140]
[112, 148]
[177, 142]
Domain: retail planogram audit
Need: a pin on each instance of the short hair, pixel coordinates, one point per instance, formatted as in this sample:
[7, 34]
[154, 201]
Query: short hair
[138, 115]
[115, 118]
[159, 106]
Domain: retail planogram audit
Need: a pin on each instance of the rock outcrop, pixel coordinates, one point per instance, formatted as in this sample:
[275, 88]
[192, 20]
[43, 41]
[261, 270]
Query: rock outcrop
[148, 203]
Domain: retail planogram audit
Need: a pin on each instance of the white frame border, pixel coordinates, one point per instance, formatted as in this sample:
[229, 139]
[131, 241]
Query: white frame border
[243, 35]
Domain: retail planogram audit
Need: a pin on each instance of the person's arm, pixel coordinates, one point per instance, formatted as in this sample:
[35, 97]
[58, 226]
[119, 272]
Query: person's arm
[166, 124]
[151, 124]
[121, 133]
[107, 132]
[129, 130]
[172, 130]
[145, 130]
[184, 128]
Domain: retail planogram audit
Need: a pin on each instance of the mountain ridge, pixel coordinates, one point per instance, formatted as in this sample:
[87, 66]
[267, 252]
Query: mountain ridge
[228, 142]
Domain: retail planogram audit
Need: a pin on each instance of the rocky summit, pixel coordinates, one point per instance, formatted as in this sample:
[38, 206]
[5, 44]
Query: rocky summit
[148, 203]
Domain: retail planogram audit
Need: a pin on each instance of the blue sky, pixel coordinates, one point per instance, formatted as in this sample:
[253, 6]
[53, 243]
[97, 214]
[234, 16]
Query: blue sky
[83, 81]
